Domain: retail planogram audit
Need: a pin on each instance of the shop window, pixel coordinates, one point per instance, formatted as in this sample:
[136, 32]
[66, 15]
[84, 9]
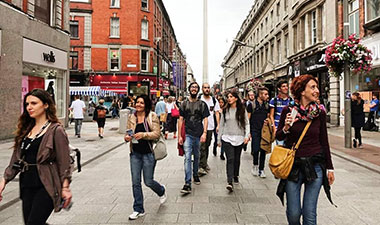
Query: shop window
[144, 60]
[354, 17]
[144, 4]
[42, 10]
[73, 61]
[313, 27]
[144, 30]
[115, 3]
[372, 9]
[114, 59]
[74, 27]
[115, 27]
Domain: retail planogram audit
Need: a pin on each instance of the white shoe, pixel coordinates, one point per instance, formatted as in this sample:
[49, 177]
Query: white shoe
[255, 170]
[262, 174]
[136, 215]
[164, 197]
[202, 171]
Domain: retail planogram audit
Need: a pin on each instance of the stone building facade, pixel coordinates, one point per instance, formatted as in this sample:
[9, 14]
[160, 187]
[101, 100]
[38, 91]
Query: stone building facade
[34, 47]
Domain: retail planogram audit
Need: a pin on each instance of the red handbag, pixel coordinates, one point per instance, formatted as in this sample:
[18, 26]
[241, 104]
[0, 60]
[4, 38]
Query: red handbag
[175, 112]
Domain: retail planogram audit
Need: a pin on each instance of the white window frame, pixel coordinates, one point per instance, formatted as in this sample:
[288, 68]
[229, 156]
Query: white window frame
[110, 56]
[145, 30]
[353, 14]
[117, 5]
[147, 5]
[147, 60]
[366, 14]
[313, 27]
[114, 30]
[279, 55]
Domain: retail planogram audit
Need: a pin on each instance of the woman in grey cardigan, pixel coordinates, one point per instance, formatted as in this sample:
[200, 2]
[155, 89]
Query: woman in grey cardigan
[233, 133]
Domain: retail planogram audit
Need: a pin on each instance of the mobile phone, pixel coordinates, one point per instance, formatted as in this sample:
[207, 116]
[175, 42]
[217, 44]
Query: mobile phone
[293, 115]
[129, 132]
[63, 203]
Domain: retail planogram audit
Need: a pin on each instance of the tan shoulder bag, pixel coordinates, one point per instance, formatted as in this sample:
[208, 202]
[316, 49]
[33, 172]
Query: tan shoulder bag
[282, 159]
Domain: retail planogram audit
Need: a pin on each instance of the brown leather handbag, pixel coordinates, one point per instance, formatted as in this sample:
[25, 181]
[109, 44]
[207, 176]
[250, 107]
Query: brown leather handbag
[282, 159]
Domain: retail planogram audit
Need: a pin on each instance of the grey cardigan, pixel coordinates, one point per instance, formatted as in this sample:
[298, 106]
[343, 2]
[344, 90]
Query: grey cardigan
[229, 126]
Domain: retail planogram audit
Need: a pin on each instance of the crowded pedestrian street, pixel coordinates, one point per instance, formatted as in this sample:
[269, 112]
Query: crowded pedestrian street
[102, 192]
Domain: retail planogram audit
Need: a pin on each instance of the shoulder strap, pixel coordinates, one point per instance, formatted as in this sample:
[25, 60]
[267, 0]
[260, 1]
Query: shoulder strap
[213, 100]
[302, 135]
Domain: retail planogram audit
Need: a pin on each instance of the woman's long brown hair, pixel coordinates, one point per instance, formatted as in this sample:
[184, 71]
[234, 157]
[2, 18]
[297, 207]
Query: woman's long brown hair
[26, 123]
[240, 109]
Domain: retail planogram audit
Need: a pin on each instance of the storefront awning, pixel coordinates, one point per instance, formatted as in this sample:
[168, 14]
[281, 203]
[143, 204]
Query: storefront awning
[85, 90]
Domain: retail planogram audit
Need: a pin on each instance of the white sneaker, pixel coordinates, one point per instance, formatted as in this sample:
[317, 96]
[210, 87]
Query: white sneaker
[136, 215]
[262, 174]
[202, 171]
[164, 197]
[255, 170]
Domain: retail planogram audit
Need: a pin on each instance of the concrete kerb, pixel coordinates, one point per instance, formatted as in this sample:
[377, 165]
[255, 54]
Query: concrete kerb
[362, 163]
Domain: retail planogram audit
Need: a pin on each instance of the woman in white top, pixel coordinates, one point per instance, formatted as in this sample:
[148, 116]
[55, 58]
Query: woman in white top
[171, 122]
[233, 133]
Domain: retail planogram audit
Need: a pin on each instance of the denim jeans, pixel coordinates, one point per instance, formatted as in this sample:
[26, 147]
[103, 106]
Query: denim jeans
[145, 163]
[257, 152]
[78, 126]
[280, 142]
[191, 147]
[233, 154]
[310, 199]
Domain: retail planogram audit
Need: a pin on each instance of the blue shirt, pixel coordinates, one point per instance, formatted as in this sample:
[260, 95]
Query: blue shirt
[160, 108]
[376, 108]
[281, 103]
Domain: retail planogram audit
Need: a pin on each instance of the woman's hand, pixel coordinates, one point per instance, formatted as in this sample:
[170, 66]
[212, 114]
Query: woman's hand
[331, 177]
[66, 195]
[139, 135]
[127, 138]
[246, 140]
[180, 140]
[2, 186]
[289, 120]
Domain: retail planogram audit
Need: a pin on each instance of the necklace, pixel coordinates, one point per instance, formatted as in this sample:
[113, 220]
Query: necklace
[38, 134]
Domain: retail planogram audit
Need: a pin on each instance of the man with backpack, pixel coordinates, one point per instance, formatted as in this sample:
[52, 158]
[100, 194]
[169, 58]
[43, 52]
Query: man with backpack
[258, 111]
[214, 108]
[100, 117]
[277, 103]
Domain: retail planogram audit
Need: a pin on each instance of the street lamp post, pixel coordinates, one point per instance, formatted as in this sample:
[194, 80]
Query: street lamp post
[157, 39]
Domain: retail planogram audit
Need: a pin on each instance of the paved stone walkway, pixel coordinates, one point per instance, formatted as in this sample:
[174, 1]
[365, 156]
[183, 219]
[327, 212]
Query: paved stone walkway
[103, 194]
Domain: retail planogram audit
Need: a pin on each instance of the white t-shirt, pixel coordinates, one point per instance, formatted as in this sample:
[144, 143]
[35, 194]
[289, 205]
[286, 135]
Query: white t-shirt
[212, 109]
[78, 106]
[169, 107]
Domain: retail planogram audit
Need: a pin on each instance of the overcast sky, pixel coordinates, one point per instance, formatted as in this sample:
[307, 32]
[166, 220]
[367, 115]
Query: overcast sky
[224, 20]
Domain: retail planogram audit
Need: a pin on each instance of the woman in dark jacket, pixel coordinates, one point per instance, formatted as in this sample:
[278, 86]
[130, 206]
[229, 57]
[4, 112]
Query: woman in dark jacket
[41, 155]
[357, 118]
[313, 165]
[100, 114]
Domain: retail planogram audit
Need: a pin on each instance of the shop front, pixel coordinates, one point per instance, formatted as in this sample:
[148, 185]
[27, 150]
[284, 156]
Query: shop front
[45, 66]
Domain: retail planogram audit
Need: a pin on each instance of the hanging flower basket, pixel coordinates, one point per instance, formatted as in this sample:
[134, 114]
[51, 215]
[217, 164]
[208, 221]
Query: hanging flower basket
[254, 85]
[340, 51]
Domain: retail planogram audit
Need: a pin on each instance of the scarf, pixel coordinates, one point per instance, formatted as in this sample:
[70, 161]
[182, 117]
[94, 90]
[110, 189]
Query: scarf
[306, 114]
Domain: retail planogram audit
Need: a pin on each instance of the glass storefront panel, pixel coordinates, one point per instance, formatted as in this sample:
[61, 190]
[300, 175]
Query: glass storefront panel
[367, 85]
[35, 76]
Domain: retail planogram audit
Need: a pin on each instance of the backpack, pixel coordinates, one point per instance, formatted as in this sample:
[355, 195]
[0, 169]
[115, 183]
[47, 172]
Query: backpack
[101, 113]
[74, 153]
[266, 104]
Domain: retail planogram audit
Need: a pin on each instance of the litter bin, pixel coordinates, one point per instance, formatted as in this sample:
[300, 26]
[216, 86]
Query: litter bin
[124, 118]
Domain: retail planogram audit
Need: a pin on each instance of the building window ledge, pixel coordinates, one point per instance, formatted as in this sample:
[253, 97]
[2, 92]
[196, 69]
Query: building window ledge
[114, 7]
[373, 24]
[114, 37]
[144, 39]
[145, 10]
[74, 38]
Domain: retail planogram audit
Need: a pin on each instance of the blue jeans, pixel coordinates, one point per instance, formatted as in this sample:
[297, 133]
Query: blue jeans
[78, 126]
[310, 199]
[191, 147]
[146, 163]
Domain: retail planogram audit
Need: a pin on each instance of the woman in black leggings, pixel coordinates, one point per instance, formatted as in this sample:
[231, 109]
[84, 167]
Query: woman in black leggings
[357, 118]
[41, 156]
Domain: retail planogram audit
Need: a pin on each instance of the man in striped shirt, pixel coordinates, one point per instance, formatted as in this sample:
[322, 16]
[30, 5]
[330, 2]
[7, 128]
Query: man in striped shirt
[277, 103]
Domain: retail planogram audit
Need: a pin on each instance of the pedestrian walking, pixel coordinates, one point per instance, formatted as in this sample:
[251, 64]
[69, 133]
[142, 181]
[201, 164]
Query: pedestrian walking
[374, 108]
[41, 156]
[233, 134]
[258, 112]
[212, 124]
[160, 111]
[143, 127]
[78, 107]
[278, 103]
[115, 108]
[100, 113]
[357, 118]
[222, 104]
[313, 166]
[251, 98]
[171, 121]
[193, 112]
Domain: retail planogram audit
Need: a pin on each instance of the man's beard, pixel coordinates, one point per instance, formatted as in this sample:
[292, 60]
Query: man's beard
[193, 95]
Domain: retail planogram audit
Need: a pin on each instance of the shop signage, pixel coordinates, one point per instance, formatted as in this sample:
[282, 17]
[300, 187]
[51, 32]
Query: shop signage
[373, 44]
[44, 55]
[49, 57]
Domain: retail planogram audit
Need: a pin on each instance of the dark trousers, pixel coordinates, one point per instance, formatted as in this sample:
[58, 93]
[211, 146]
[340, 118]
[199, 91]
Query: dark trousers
[372, 117]
[257, 152]
[37, 205]
[233, 154]
[204, 150]
[358, 135]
